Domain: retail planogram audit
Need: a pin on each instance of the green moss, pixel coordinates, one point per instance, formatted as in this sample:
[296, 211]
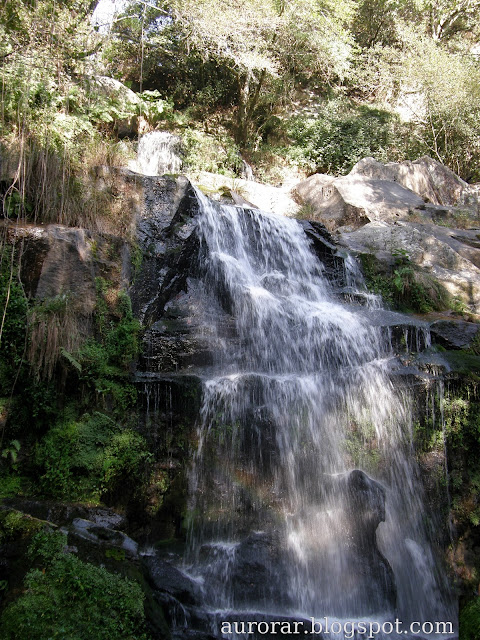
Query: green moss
[362, 446]
[463, 363]
[136, 259]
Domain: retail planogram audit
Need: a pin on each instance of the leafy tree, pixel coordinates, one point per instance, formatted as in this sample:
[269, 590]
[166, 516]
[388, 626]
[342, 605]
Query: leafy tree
[247, 55]
[437, 90]
[448, 18]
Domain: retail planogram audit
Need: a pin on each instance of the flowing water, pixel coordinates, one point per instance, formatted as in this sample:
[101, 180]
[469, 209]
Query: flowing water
[158, 153]
[305, 497]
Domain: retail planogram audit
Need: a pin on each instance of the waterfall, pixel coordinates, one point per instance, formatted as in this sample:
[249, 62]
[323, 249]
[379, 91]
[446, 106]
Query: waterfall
[158, 153]
[305, 497]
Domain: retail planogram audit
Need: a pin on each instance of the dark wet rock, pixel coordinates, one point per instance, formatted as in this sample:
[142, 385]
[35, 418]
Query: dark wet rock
[369, 571]
[166, 578]
[258, 572]
[176, 613]
[366, 504]
[326, 250]
[103, 536]
[454, 334]
[403, 333]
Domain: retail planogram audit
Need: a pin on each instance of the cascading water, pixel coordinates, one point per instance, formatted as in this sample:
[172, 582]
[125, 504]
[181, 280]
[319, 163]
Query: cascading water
[158, 153]
[305, 497]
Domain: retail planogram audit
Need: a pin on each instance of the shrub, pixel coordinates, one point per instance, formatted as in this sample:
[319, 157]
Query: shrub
[470, 620]
[339, 135]
[87, 458]
[215, 153]
[71, 599]
[404, 286]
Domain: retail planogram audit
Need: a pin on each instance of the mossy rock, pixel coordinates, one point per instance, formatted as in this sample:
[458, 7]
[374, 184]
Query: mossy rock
[463, 363]
[15, 525]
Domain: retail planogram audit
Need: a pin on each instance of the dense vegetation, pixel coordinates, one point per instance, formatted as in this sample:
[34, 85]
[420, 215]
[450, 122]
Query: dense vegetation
[290, 87]
[309, 84]
[67, 597]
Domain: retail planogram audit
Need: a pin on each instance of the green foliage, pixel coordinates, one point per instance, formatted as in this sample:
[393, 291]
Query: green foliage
[462, 430]
[11, 485]
[15, 525]
[115, 554]
[155, 109]
[13, 306]
[81, 456]
[47, 546]
[470, 620]
[210, 56]
[404, 286]
[434, 87]
[215, 153]
[91, 457]
[10, 452]
[457, 426]
[102, 364]
[73, 599]
[53, 127]
[339, 135]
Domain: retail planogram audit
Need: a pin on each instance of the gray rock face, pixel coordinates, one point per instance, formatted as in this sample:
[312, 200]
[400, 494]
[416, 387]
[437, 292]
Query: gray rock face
[252, 194]
[431, 180]
[355, 200]
[103, 536]
[439, 251]
[48, 246]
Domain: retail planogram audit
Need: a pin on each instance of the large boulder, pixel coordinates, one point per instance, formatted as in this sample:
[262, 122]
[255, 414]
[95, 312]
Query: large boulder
[423, 190]
[368, 588]
[166, 578]
[258, 573]
[355, 200]
[440, 252]
[454, 334]
[431, 180]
